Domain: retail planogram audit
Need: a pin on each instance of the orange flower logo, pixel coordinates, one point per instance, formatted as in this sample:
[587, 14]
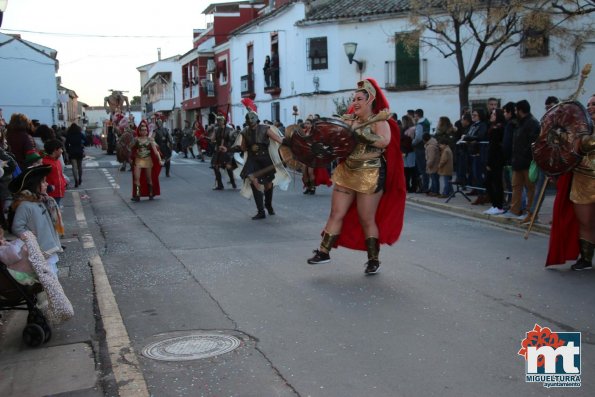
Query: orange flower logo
[539, 337]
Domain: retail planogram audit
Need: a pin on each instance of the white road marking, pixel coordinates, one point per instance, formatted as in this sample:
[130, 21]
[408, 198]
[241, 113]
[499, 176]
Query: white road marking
[125, 366]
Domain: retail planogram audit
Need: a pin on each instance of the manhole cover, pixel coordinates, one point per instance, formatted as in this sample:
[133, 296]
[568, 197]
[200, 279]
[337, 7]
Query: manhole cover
[191, 347]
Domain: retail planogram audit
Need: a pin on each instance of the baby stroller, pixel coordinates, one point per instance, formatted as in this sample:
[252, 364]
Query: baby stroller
[14, 296]
[25, 276]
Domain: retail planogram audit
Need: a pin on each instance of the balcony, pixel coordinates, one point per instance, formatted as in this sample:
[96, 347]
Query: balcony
[405, 76]
[271, 77]
[247, 86]
[200, 95]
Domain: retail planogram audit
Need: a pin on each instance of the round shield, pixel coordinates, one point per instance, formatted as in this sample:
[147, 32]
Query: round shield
[329, 139]
[288, 159]
[556, 149]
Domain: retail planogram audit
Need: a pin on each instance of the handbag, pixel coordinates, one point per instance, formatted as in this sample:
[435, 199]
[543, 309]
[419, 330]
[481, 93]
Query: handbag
[533, 171]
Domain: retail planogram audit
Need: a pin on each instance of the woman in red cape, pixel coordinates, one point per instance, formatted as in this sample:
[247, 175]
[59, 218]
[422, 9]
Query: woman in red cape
[145, 159]
[368, 201]
[573, 223]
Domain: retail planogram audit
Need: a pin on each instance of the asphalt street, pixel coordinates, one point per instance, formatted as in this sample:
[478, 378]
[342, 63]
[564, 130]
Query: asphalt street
[445, 317]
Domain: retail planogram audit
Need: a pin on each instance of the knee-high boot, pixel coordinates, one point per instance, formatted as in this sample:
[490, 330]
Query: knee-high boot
[268, 201]
[585, 262]
[151, 195]
[231, 178]
[258, 198]
[373, 248]
[218, 178]
[136, 194]
[326, 244]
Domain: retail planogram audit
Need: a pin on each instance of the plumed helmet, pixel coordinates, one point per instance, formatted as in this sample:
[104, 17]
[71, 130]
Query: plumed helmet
[252, 118]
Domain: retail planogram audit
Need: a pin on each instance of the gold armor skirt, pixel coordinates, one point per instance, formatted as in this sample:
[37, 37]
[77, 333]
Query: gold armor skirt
[363, 176]
[582, 190]
[145, 162]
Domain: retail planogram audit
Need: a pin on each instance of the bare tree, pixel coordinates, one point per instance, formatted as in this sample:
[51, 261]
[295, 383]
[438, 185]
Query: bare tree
[477, 32]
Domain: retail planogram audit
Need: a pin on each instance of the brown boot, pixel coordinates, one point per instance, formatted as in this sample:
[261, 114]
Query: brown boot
[585, 262]
[136, 194]
[373, 248]
[322, 255]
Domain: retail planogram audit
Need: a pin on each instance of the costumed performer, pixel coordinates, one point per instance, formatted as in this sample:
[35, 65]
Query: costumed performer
[368, 200]
[573, 223]
[312, 177]
[145, 159]
[262, 169]
[223, 140]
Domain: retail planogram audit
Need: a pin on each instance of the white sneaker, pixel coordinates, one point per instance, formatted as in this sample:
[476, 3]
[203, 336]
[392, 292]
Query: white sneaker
[489, 211]
[497, 211]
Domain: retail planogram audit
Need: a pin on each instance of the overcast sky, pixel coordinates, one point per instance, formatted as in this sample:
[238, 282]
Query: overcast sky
[93, 37]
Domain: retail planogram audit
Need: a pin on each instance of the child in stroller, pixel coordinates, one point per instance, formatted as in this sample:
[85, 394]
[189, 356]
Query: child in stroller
[28, 283]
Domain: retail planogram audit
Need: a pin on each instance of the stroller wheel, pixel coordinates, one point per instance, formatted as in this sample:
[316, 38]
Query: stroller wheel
[39, 319]
[33, 335]
[48, 333]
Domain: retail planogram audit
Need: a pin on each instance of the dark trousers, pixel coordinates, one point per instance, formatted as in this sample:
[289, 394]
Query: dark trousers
[167, 166]
[420, 164]
[495, 187]
[411, 179]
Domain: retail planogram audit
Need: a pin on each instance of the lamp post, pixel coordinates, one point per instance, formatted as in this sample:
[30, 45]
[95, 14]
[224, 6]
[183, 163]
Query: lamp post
[350, 49]
[2, 9]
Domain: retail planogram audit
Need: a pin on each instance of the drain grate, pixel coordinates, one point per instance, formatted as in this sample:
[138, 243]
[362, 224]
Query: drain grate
[191, 347]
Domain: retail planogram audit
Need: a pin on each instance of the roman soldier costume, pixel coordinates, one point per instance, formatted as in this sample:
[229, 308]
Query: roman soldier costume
[223, 156]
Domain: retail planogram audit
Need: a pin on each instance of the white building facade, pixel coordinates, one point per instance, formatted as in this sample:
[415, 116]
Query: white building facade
[161, 90]
[316, 76]
[28, 80]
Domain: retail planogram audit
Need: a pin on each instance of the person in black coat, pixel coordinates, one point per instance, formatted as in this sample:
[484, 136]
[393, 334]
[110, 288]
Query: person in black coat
[526, 133]
[75, 147]
[495, 163]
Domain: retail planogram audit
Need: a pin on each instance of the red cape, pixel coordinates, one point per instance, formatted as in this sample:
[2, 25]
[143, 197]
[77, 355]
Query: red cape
[565, 228]
[321, 177]
[391, 210]
[144, 187]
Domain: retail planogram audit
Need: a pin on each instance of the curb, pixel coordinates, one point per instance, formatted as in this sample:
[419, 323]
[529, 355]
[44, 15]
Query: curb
[500, 220]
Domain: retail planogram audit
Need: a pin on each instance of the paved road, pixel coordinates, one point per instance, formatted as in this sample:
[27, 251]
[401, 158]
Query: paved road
[445, 317]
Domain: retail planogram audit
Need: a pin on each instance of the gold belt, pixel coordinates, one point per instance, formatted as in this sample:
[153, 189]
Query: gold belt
[257, 148]
[355, 164]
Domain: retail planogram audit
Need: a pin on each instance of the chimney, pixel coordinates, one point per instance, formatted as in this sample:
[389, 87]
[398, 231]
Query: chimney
[158, 54]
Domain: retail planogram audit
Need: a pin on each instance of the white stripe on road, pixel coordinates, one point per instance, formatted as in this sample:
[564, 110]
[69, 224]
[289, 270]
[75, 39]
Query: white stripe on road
[112, 181]
[128, 377]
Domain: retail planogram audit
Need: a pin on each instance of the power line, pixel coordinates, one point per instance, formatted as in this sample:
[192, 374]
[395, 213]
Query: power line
[95, 35]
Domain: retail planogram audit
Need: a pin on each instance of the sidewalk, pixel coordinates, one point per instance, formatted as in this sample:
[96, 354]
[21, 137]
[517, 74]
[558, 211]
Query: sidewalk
[68, 364]
[459, 205]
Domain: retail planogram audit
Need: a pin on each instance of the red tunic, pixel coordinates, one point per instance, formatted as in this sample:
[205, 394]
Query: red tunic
[321, 177]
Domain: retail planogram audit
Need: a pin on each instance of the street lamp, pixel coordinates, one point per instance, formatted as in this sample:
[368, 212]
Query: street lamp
[350, 49]
[2, 9]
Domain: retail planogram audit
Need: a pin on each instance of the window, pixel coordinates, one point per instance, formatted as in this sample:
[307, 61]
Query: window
[222, 71]
[536, 41]
[317, 53]
[406, 61]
